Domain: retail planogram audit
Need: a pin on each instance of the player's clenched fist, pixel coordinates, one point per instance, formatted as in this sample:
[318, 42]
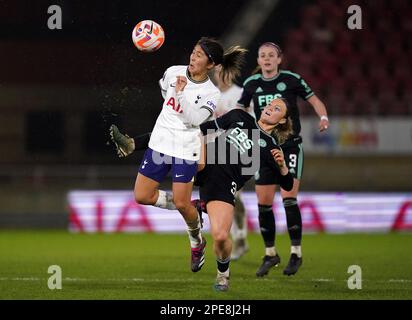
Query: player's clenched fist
[280, 160]
[181, 83]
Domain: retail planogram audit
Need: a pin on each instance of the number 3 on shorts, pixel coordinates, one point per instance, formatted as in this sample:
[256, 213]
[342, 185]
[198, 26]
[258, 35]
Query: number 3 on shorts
[234, 188]
[292, 160]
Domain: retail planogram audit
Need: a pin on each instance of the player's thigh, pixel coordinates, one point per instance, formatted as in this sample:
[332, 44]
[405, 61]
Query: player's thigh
[265, 194]
[145, 187]
[182, 193]
[220, 218]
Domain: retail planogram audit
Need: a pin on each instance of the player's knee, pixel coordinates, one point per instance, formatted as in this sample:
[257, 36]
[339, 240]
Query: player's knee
[264, 198]
[181, 205]
[220, 237]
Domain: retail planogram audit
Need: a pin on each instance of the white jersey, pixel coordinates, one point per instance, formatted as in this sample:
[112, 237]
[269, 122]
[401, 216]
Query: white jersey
[228, 100]
[172, 135]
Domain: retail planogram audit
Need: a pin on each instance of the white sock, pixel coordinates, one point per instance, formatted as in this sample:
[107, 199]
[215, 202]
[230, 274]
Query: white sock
[297, 250]
[225, 274]
[165, 200]
[193, 230]
[271, 251]
[241, 233]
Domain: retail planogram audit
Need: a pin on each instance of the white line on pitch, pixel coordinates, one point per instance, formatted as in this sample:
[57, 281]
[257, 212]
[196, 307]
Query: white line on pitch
[68, 279]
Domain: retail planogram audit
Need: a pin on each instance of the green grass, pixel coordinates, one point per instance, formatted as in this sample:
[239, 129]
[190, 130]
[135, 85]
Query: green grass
[156, 266]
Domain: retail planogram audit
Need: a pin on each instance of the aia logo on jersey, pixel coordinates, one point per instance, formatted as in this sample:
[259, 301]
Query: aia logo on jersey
[172, 103]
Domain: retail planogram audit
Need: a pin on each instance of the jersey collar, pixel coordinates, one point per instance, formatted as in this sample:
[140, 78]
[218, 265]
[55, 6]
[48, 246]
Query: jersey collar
[271, 79]
[267, 134]
[194, 81]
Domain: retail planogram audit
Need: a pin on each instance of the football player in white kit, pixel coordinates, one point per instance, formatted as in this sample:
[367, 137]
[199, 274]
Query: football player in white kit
[190, 99]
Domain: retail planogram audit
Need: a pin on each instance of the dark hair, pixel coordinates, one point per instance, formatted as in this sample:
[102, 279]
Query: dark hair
[283, 130]
[258, 69]
[231, 60]
[212, 48]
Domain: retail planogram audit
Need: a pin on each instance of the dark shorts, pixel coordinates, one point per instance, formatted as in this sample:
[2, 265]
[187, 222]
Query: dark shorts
[156, 166]
[294, 161]
[216, 183]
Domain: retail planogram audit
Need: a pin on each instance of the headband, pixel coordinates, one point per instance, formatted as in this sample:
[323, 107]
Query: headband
[216, 60]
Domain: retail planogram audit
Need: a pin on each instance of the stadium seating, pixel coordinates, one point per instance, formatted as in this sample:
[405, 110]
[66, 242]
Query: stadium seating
[356, 72]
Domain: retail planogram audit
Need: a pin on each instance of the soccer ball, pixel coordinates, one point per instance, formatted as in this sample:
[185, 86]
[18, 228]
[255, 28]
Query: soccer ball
[148, 36]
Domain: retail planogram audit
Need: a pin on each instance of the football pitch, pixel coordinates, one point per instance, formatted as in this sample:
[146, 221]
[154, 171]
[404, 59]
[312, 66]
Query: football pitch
[156, 267]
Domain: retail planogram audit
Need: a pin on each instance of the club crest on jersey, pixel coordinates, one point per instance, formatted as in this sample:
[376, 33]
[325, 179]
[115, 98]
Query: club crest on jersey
[281, 86]
[262, 143]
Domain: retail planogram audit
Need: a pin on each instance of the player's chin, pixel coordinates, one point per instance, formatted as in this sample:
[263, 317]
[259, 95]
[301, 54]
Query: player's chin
[191, 69]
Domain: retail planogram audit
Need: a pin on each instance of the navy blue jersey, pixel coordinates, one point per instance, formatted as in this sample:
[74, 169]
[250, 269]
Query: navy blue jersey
[243, 140]
[285, 84]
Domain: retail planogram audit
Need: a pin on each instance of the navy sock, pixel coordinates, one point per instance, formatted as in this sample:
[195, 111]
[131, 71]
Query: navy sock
[223, 265]
[267, 225]
[294, 220]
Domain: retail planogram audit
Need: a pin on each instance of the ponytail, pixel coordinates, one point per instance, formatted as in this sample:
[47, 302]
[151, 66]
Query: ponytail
[233, 60]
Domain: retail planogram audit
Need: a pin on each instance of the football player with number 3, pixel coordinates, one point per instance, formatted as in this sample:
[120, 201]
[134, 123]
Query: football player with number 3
[269, 82]
[231, 160]
[230, 95]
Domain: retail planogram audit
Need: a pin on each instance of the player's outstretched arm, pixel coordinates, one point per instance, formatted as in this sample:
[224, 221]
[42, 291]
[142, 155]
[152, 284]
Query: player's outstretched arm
[320, 109]
[286, 179]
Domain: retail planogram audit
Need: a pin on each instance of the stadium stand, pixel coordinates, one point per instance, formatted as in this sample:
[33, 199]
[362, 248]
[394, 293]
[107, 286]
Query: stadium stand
[359, 72]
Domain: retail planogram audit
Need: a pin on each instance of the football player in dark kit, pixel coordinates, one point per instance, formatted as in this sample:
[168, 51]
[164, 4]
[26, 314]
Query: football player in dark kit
[231, 160]
[227, 163]
[268, 83]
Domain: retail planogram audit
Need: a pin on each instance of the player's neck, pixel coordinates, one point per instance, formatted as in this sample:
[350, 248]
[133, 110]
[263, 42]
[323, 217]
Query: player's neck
[268, 128]
[270, 74]
[198, 77]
